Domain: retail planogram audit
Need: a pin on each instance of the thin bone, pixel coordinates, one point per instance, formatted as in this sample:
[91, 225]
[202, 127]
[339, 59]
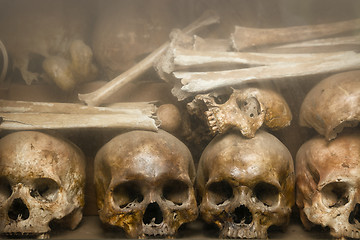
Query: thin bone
[7, 106]
[199, 82]
[99, 96]
[245, 37]
[34, 121]
[5, 62]
[188, 59]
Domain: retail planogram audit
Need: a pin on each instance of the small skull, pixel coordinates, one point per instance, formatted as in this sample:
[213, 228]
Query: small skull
[246, 109]
[144, 183]
[328, 184]
[246, 185]
[333, 104]
[42, 180]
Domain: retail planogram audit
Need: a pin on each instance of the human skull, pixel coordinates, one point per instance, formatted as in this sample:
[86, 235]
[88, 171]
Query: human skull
[328, 184]
[332, 104]
[42, 180]
[144, 183]
[246, 109]
[246, 185]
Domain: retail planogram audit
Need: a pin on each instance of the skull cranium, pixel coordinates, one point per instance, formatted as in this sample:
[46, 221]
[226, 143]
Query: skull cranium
[246, 185]
[144, 182]
[327, 180]
[246, 109]
[42, 180]
[332, 104]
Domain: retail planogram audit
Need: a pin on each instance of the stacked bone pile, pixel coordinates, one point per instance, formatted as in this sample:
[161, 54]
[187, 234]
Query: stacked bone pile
[327, 166]
[222, 106]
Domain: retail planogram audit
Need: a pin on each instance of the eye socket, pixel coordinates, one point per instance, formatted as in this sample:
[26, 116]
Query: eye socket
[45, 189]
[176, 191]
[5, 189]
[267, 193]
[219, 192]
[335, 194]
[250, 107]
[126, 193]
[221, 99]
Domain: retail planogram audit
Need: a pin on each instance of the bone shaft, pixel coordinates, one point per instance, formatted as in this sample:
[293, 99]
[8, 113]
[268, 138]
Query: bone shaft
[202, 82]
[244, 37]
[318, 45]
[184, 58]
[69, 108]
[99, 96]
[33, 121]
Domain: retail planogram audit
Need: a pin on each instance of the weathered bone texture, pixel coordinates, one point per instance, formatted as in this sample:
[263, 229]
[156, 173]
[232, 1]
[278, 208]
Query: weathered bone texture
[5, 62]
[21, 115]
[244, 37]
[332, 104]
[246, 185]
[246, 110]
[144, 184]
[193, 70]
[55, 47]
[198, 82]
[327, 181]
[42, 180]
[334, 44]
[99, 96]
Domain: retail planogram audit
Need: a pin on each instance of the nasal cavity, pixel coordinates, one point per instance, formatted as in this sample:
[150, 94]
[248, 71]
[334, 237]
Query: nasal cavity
[18, 210]
[153, 214]
[242, 215]
[354, 217]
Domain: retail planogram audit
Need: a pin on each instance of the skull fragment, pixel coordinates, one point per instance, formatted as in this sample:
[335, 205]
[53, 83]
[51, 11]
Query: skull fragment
[144, 183]
[246, 185]
[333, 104]
[327, 180]
[246, 109]
[42, 180]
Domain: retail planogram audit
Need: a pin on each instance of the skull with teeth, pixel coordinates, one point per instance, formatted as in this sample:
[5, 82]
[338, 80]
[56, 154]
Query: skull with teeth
[42, 180]
[144, 183]
[327, 179]
[246, 109]
[246, 185]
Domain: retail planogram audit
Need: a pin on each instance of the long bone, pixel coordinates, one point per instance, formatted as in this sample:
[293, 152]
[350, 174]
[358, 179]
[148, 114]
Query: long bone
[244, 37]
[198, 82]
[100, 95]
[19, 115]
[326, 44]
[188, 59]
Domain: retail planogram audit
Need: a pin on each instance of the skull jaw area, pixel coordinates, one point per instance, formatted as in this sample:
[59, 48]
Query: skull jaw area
[342, 223]
[137, 225]
[240, 230]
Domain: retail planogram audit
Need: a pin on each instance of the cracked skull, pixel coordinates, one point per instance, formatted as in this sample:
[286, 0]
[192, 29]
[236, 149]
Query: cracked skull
[42, 180]
[144, 182]
[327, 179]
[246, 185]
[332, 104]
[246, 109]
